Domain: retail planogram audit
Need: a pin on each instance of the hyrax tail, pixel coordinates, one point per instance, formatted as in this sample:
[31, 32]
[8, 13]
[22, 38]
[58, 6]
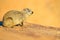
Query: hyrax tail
[8, 22]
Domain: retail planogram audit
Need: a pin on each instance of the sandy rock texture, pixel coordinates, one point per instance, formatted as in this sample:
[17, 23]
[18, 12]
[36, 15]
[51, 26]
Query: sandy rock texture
[30, 32]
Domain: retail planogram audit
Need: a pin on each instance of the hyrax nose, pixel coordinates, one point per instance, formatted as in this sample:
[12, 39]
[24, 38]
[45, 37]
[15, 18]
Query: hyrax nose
[32, 12]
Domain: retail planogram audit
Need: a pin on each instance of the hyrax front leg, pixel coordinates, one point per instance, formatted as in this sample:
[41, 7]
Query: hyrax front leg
[21, 24]
[8, 22]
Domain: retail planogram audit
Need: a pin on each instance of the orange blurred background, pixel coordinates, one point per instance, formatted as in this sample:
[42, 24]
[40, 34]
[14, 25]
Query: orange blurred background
[46, 12]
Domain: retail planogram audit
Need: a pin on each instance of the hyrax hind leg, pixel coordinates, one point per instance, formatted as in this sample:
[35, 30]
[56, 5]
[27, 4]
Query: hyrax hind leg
[8, 22]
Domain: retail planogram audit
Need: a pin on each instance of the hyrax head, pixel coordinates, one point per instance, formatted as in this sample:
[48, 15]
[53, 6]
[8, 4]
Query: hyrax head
[27, 11]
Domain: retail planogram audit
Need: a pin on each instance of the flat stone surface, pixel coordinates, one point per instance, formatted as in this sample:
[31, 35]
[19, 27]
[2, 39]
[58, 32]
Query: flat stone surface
[29, 32]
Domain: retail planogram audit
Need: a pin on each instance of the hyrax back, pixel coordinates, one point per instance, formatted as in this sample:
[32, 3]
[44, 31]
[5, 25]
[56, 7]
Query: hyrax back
[13, 17]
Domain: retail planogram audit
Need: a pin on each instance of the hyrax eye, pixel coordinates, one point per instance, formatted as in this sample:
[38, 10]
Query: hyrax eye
[28, 10]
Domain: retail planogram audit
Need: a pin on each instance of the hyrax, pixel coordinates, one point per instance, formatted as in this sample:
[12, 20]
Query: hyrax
[13, 17]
